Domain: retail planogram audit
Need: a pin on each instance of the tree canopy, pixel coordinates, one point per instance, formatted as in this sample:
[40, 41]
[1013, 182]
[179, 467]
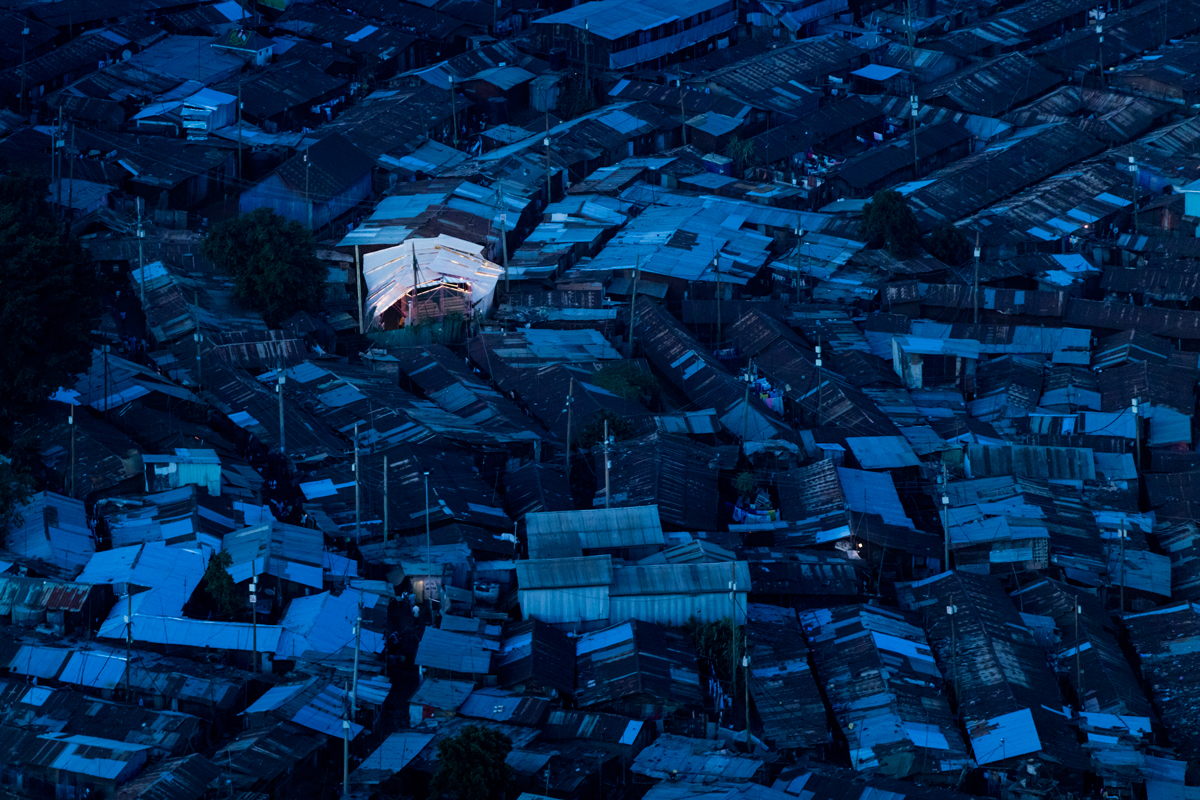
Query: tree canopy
[888, 221]
[272, 261]
[947, 244]
[50, 303]
[219, 583]
[471, 765]
[16, 487]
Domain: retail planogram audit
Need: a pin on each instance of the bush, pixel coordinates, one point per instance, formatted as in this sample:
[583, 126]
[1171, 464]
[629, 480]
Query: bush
[272, 261]
[890, 223]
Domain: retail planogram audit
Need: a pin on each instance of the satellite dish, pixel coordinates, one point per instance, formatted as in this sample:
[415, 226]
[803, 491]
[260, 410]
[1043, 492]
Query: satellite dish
[126, 55]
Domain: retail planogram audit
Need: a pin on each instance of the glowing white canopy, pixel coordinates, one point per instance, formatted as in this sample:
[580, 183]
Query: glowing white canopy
[390, 277]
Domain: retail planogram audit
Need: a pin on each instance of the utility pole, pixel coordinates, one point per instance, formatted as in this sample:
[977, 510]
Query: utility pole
[358, 276]
[128, 643]
[307, 196]
[746, 682]
[282, 378]
[357, 491]
[1078, 650]
[607, 464]
[549, 184]
[254, 617]
[24, 34]
[951, 611]
[637, 268]
[746, 402]
[141, 237]
[199, 339]
[1100, 52]
[504, 236]
[453, 113]
[570, 403]
[914, 101]
[799, 239]
[1122, 531]
[346, 751]
[945, 518]
[386, 519]
[733, 637]
[820, 384]
[1137, 437]
[71, 422]
[682, 113]
[71, 177]
[428, 551]
[104, 350]
[59, 143]
[717, 267]
[975, 293]
[53, 156]
[587, 36]
[239, 110]
[357, 643]
[412, 307]
[1133, 183]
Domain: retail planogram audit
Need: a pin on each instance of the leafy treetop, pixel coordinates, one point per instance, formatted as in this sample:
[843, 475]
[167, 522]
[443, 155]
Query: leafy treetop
[219, 583]
[889, 221]
[471, 765]
[50, 302]
[272, 261]
[947, 244]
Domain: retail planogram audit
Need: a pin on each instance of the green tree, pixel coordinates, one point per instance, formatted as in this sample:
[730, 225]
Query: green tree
[947, 244]
[741, 151]
[50, 303]
[593, 432]
[627, 379]
[575, 96]
[720, 644]
[219, 583]
[471, 765]
[272, 261]
[16, 487]
[745, 484]
[887, 220]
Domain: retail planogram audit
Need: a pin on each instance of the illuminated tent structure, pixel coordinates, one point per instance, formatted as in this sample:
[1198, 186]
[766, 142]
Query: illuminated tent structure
[445, 276]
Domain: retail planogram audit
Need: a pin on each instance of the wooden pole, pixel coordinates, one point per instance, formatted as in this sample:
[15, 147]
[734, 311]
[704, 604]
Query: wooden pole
[607, 464]
[71, 421]
[570, 403]
[975, 293]
[141, 236]
[281, 379]
[358, 276]
[357, 491]
[1122, 567]
[633, 306]
[504, 237]
[254, 617]
[717, 267]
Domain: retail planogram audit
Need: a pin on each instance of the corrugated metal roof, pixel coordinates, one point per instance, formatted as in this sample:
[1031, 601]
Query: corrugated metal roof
[886, 691]
[702, 760]
[454, 652]
[393, 755]
[445, 695]
[559, 573]
[597, 529]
